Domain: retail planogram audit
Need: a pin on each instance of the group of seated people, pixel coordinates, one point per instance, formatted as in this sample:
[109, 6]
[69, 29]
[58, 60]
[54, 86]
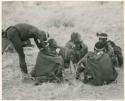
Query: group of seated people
[98, 67]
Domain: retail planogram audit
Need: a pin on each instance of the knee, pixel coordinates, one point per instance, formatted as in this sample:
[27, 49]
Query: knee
[80, 68]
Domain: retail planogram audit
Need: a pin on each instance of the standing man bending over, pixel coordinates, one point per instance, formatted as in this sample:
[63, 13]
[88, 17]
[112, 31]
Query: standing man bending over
[19, 33]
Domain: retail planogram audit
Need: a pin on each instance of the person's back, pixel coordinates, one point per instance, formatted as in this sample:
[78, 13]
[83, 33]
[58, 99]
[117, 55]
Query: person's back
[20, 33]
[26, 30]
[110, 46]
[101, 68]
[98, 66]
[48, 64]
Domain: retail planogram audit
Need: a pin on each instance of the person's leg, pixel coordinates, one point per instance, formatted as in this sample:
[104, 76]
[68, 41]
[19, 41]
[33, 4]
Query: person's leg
[16, 40]
[58, 72]
[80, 69]
[22, 62]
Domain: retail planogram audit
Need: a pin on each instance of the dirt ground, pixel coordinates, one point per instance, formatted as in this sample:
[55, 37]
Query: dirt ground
[60, 19]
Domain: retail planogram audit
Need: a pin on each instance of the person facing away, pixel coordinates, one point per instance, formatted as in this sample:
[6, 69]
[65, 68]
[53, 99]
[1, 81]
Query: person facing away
[21, 32]
[49, 64]
[97, 67]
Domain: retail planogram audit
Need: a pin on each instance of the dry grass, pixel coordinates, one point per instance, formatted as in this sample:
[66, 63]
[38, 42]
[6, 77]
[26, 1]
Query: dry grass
[60, 19]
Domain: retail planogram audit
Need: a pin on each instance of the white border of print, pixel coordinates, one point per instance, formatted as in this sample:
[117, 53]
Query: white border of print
[49, 0]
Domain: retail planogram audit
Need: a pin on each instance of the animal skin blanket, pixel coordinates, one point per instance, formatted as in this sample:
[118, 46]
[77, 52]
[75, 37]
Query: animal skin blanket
[46, 64]
[101, 69]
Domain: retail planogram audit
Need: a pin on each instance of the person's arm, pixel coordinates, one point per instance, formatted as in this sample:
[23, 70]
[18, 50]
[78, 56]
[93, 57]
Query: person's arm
[83, 49]
[70, 45]
[83, 59]
[110, 49]
[37, 43]
[83, 46]
[37, 37]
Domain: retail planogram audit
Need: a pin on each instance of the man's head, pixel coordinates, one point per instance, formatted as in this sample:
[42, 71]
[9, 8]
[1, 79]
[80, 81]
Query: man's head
[99, 46]
[52, 43]
[102, 37]
[75, 37]
[43, 38]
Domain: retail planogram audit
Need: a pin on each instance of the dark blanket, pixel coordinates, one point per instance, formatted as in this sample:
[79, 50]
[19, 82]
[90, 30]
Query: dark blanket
[117, 52]
[46, 65]
[101, 69]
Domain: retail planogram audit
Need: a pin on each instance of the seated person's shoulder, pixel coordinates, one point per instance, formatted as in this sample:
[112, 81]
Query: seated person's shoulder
[70, 44]
[83, 44]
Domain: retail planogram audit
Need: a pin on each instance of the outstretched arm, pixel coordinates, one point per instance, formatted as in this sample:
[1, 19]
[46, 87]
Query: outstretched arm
[84, 59]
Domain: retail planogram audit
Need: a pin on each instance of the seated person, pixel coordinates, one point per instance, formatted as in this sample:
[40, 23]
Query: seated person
[48, 64]
[74, 50]
[111, 46]
[97, 67]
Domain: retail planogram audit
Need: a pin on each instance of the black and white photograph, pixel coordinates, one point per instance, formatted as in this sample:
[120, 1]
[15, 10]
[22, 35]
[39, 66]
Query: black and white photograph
[62, 50]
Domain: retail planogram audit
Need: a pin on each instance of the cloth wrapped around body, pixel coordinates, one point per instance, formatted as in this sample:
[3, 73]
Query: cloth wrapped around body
[48, 67]
[100, 68]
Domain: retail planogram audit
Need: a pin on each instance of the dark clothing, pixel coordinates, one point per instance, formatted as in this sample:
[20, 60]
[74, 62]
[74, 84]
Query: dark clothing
[98, 69]
[66, 54]
[117, 52]
[22, 32]
[79, 50]
[47, 66]
[73, 52]
[25, 31]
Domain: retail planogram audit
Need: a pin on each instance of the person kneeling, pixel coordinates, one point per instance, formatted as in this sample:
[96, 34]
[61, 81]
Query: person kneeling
[97, 67]
[49, 64]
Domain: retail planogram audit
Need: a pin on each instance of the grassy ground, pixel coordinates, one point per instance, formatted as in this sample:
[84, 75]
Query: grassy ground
[60, 19]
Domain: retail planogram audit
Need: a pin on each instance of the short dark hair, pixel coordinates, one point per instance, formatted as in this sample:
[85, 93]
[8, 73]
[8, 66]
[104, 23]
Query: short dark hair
[52, 43]
[75, 36]
[99, 46]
